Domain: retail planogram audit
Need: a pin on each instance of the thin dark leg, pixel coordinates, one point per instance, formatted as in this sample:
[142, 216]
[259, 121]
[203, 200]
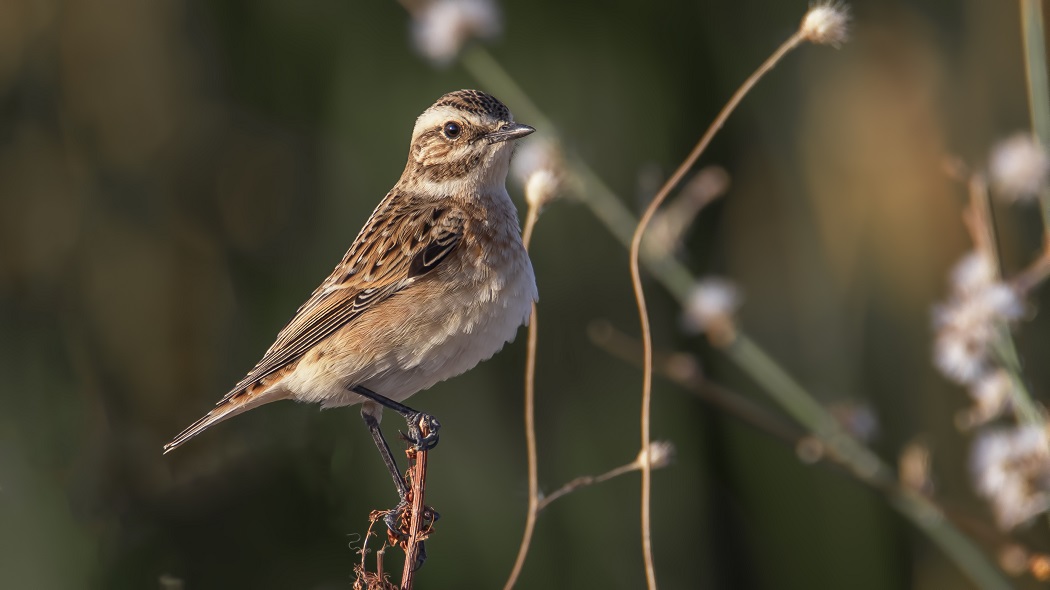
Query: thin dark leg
[384, 450]
[412, 417]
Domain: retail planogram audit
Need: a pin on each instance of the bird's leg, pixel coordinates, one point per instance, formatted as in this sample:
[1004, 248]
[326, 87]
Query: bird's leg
[370, 414]
[384, 450]
[391, 519]
[412, 417]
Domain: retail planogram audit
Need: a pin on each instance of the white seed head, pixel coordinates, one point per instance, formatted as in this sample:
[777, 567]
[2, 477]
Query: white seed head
[712, 304]
[661, 453]
[1011, 468]
[1019, 168]
[959, 356]
[538, 153]
[826, 23]
[991, 394]
[541, 188]
[973, 272]
[441, 27]
[1000, 301]
[967, 325]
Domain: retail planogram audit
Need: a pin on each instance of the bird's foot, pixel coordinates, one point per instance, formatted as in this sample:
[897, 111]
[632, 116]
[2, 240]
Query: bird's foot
[418, 422]
[398, 522]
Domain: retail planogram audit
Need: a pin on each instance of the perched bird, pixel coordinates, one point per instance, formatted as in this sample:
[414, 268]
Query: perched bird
[436, 281]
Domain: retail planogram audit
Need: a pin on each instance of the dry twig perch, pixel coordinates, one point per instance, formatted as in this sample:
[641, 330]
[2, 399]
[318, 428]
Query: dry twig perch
[420, 517]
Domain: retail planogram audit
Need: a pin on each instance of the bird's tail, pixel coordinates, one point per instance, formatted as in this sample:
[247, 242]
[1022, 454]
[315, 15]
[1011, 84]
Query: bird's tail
[236, 402]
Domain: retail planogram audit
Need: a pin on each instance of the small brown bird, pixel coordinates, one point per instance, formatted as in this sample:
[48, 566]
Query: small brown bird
[436, 281]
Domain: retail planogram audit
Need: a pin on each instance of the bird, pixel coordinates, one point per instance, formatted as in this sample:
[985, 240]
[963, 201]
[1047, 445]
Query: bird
[436, 281]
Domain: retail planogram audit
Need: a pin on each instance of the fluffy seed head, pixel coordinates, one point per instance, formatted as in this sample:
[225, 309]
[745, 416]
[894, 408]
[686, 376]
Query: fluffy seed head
[538, 153]
[1019, 168]
[967, 325]
[973, 272]
[711, 307]
[541, 188]
[539, 166]
[661, 453]
[959, 356]
[1011, 468]
[826, 23]
[991, 394]
[441, 27]
[979, 311]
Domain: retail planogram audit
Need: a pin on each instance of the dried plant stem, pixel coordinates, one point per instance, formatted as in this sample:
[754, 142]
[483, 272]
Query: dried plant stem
[530, 424]
[1038, 87]
[676, 278]
[415, 532]
[639, 292]
[586, 480]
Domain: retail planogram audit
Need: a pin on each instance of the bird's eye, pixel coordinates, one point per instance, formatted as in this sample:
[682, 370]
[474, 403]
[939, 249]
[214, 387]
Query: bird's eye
[452, 130]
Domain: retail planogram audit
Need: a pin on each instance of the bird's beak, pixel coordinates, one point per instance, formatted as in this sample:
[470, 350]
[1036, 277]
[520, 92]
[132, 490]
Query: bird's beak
[509, 131]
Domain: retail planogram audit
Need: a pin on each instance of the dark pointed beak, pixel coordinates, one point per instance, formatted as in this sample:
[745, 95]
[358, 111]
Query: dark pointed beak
[508, 132]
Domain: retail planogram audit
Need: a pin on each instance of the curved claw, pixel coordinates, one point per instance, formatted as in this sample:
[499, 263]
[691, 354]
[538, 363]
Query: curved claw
[392, 520]
[397, 536]
[415, 432]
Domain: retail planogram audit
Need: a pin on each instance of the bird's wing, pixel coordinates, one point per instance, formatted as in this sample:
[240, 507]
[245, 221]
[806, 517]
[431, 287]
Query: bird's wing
[401, 242]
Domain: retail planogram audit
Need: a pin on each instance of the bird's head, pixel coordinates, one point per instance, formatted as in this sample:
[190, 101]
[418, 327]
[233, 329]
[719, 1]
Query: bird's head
[466, 139]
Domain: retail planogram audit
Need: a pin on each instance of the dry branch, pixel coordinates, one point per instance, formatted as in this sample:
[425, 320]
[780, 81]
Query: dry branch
[420, 517]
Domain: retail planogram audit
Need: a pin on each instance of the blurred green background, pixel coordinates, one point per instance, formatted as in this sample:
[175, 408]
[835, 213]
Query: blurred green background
[176, 177]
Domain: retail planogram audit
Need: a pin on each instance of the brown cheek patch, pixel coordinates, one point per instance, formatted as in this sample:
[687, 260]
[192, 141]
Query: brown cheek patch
[451, 168]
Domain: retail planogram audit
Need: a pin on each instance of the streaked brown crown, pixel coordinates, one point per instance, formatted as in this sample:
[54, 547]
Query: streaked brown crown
[477, 102]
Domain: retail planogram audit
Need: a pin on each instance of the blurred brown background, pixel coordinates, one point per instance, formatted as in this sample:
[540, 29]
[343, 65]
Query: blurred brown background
[176, 177]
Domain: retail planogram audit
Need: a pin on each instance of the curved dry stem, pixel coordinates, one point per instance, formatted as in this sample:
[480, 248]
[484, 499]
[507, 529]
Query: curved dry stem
[530, 424]
[639, 292]
[586, 481]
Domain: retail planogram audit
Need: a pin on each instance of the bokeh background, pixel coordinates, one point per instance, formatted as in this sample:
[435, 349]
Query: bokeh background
[176, 177]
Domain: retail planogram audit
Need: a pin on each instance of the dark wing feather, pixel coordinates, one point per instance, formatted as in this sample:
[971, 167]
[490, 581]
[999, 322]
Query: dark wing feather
[400, 242]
